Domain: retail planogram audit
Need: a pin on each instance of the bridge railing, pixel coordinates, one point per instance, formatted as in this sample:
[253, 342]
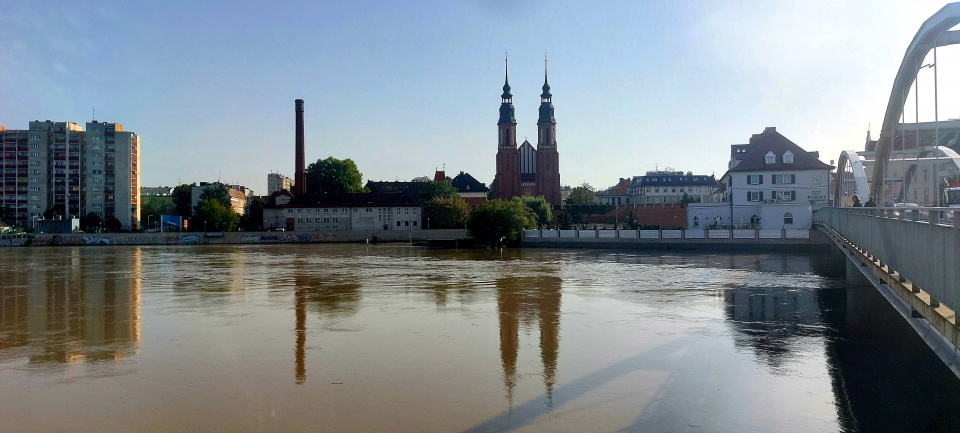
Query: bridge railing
[923, 243]
[668, 234]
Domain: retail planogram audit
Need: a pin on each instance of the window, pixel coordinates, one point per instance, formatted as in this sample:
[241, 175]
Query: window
[406, 223]
[398, 223]
[34, 163]
[656, 189]
[97, 180]
[696, 221]
[755, 179]
[784, 178]
[414, 223]
[785, 195]
[35, 154]
[770, 158]
[754, 195]
[788, 218]
[817, 180]
[97, 163]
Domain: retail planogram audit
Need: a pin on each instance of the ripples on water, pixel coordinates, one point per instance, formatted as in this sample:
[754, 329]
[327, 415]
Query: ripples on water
[395, 338]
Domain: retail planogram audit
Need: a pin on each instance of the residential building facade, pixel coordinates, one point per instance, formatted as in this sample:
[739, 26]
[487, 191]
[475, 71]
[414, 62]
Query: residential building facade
[669, 186]
[470, 189]
[342, 212]
[771, 183]
[60, 165]
[277, 182]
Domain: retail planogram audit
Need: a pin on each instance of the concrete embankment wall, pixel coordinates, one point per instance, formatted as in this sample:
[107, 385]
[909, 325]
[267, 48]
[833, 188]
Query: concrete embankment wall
[246, 237]
[713, 240]
[926, 254]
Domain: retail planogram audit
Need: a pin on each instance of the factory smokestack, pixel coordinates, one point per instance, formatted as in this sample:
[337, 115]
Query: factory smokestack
[300, 178]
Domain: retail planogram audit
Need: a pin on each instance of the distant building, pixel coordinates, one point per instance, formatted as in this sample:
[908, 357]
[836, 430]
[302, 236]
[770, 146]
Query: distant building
[67, 225]
[771, 183]
[61, 165]
[237, 193]
[669, 186]
[470, 189]
[277, 182]
[342, 211]
[617, 195]
[156, 191]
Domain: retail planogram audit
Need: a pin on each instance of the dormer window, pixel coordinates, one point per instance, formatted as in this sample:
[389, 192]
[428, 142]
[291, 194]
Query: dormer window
[788, 157]
[770, 158]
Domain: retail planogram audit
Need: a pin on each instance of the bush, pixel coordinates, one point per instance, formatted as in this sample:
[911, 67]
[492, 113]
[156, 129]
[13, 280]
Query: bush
[497, 221]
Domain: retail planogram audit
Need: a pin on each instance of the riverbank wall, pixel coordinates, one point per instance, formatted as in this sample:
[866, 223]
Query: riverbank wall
[180, 238]
[715, 240]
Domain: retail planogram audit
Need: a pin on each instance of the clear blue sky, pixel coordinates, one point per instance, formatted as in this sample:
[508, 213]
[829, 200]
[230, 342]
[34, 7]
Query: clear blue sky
[406, 87]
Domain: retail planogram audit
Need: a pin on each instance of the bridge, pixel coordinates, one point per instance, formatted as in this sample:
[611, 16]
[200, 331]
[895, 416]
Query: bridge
[911, 254]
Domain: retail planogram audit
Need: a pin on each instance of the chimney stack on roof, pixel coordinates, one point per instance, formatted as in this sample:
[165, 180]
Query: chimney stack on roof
[300, 178]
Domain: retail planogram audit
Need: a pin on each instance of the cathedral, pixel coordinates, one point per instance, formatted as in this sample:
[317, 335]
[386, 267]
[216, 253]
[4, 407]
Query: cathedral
[527, 171]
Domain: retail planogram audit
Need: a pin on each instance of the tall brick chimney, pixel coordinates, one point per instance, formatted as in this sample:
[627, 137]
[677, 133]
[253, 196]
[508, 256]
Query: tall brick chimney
[300, 178]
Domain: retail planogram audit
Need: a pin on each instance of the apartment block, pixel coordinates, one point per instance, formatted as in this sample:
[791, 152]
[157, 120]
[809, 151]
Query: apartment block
[60, 165]
[278, 182]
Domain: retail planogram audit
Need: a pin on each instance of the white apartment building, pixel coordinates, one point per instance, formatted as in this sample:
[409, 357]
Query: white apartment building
[771, 183]
[59, 164]
[277, 182]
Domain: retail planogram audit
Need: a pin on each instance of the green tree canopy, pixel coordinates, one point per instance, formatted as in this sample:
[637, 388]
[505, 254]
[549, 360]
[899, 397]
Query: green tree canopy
[253, 220]
[211, 214]
[433, 189]
[583, 194]
[421, 179]
[91, 223]
[496, 221]
[183, 199]
[334, 175]
[445, 213]
[152, 207]
[218, 193]
[541, 209]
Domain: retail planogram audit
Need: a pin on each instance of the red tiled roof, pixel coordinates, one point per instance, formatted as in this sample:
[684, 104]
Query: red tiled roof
[772, 141]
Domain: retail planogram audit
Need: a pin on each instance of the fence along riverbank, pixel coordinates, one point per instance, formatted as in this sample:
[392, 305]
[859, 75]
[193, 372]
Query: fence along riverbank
[724, 239]
[234, 237]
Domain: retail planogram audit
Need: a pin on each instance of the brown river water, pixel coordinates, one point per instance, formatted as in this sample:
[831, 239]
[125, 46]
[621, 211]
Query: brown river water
[393, 338]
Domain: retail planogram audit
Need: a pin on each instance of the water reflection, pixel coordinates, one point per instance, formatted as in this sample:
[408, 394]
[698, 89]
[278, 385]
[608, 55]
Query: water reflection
[523, 301]
[88, 309]
[329, 296]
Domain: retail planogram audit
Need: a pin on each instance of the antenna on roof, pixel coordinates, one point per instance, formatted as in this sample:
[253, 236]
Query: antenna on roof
[94, 114]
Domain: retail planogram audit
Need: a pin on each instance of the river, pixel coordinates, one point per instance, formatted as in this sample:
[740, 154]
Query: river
[376, 338]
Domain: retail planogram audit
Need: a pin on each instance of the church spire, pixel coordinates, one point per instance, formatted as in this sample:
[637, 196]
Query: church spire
[546, 86]
[506, 80]
[506, 99]
[546, 99]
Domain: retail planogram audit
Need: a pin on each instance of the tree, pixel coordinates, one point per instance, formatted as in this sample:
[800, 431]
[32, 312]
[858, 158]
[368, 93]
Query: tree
[91, 222]
[183, 199]
[254, 216]
[152, 207]
[497, 221]
[435, 189]
[686, 198]
[446, 213]
[218, 193]
[55, 212]
[334, 175]
[583, 194]
[541, 209]
[112, 224]
[421, 179]
[212, 214]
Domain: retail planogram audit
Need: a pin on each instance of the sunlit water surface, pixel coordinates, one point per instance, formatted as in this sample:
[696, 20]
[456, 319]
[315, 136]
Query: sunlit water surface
[346, 338]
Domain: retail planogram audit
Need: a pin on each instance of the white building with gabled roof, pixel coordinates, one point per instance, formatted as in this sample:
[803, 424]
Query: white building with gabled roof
[770, 183]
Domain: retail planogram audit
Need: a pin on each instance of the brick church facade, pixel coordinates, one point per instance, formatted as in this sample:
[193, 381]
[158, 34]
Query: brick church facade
[525, 170]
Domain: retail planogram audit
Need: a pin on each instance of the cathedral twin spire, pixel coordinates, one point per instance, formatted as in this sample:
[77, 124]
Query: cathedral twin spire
[507, 111]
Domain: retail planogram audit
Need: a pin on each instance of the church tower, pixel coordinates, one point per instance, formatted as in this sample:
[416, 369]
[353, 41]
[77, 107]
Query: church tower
[506, 181]
[548, 159]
